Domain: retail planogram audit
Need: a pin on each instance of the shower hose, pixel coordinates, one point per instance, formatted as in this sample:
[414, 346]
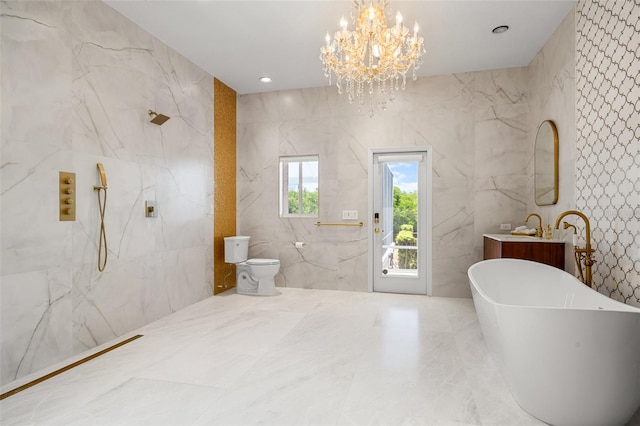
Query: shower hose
[102, 247]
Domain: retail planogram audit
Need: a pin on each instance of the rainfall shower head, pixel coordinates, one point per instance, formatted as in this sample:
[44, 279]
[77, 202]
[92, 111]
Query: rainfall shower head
[158, 119]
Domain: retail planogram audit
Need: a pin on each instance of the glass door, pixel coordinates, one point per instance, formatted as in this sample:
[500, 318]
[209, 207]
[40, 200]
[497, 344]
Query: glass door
[401, 231]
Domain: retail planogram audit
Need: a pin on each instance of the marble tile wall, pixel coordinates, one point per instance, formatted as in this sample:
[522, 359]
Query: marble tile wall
[477, 124]
[77, 81]
[552, 88]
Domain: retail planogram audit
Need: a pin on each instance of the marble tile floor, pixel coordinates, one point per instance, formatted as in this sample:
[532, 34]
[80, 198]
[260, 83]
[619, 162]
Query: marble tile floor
[304, 357]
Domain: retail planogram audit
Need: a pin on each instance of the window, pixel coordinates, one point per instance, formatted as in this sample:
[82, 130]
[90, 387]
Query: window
[299, 186]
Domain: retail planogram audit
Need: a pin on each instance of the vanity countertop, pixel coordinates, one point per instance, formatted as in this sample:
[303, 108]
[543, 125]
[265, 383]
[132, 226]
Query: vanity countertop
[508, 238]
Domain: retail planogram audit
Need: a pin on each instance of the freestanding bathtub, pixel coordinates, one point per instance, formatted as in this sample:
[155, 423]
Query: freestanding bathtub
[570, 355]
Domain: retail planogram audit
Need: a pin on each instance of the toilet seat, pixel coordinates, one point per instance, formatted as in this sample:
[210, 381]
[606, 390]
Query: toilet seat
[261, 262]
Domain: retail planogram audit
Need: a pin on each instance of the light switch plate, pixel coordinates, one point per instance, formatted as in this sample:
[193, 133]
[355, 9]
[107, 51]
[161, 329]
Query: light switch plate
[349, 214]
[505, 227]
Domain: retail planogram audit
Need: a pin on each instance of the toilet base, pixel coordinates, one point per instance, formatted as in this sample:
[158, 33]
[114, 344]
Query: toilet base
[248, 286]
[267, 287]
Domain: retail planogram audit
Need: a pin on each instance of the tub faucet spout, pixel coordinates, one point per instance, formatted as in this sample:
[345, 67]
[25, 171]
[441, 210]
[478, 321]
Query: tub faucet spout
[580, 253]
[539, 228]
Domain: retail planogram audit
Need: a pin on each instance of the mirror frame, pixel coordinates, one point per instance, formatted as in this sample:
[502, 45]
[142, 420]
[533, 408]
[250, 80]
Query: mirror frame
[544, 200]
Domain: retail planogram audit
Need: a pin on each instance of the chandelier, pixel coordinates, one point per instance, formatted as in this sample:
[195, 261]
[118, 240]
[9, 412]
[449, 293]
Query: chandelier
[372, 60]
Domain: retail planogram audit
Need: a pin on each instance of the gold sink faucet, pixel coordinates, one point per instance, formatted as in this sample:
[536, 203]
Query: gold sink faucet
[539, 228]
[581, 253]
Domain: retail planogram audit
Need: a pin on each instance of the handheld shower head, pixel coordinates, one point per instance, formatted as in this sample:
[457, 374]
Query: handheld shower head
[158, 119]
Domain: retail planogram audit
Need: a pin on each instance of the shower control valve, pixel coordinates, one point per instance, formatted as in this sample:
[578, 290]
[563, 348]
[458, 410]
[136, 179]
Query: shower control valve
[66, 196]
[151, 209]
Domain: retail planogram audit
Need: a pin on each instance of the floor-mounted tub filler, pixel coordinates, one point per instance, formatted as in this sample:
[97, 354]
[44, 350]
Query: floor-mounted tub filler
[570, 355]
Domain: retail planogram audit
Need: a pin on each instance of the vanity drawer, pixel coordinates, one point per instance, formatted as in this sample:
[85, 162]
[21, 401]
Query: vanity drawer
[543, 251]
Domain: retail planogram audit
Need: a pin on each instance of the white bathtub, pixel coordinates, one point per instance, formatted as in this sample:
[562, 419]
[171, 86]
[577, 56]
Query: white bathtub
[570, 355]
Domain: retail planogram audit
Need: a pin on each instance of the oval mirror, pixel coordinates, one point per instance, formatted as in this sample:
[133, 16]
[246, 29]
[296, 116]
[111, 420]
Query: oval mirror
[545, 164]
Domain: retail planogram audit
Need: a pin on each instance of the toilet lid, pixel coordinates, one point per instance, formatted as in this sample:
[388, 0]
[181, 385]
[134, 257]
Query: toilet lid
[262, 262]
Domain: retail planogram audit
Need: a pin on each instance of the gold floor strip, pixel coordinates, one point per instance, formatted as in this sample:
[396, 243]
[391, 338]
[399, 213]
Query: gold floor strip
[68, 367]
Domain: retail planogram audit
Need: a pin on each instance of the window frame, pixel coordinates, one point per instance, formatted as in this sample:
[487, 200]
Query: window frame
[284, 185]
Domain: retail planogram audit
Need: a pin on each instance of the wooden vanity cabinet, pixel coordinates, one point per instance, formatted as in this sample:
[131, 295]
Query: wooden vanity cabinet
[548, 252]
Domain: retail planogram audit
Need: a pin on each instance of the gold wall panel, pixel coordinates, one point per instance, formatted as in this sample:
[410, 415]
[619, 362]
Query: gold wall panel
[224, 175]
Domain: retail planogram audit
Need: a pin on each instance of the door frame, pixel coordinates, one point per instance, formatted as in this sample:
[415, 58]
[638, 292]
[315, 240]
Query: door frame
[428, 150]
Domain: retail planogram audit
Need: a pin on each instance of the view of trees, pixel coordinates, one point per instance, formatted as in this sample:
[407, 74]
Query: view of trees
[407, 258]
[309, 202]
[405, 216]
[405, 210]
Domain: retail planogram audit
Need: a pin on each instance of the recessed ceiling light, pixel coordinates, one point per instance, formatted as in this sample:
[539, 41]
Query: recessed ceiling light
[500, 29]
[265, 79]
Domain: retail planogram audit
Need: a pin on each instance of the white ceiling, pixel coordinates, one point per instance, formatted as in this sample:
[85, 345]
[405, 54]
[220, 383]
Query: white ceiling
[240, 41]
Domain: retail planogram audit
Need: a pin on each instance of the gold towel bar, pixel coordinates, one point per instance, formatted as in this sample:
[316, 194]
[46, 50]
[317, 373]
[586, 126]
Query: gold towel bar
[339, 224]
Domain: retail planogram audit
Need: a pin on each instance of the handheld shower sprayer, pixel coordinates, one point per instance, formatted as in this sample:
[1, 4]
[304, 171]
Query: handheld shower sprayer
[103, 177]
[102, 206]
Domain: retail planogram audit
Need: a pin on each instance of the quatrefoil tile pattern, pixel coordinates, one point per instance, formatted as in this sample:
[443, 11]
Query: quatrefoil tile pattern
[608, 145]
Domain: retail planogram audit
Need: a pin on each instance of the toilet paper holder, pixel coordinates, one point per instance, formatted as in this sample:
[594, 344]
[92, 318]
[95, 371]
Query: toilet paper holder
[298, 244]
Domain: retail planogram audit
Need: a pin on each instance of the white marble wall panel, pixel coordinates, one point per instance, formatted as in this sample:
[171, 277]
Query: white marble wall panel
[77, 81]
[36, 308]
[552, 84]
[36, 138]
[501, 87]
[477, 126]
[36, 134]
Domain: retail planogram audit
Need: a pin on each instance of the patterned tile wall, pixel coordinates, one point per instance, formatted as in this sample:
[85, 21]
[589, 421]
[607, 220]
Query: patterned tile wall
[608, 135]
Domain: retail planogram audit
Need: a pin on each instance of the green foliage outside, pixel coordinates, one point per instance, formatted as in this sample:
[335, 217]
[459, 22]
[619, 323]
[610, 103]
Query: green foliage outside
[309, 202]
[407, 258]
[405, 210]
[405, 216]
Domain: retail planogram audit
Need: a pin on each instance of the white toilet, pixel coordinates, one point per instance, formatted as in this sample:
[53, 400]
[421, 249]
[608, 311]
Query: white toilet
[254, 276]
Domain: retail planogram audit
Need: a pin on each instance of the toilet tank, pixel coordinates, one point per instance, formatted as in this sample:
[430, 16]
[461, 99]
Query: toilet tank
[236, 249]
